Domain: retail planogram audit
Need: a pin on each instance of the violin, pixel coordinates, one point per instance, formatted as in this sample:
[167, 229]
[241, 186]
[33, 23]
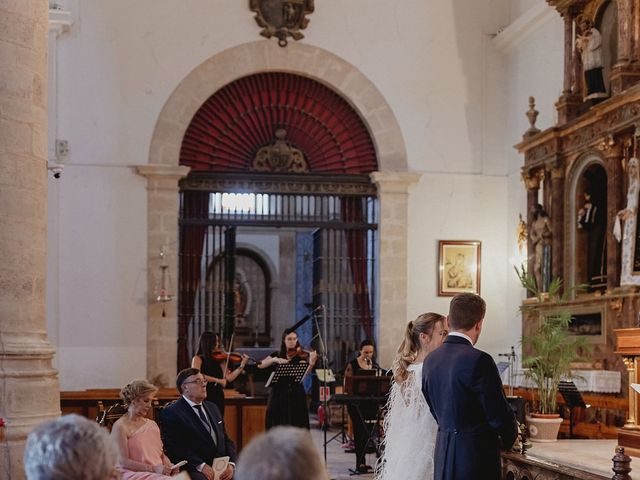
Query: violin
[221, 356]
[299, 353]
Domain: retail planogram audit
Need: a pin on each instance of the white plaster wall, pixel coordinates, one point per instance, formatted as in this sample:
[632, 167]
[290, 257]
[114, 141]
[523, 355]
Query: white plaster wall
[460, 207]
[97, 267]
[533, 67]
[434, 63]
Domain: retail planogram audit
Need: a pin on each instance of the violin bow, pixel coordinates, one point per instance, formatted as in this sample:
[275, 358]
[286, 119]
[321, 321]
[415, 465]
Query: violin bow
[226, 364]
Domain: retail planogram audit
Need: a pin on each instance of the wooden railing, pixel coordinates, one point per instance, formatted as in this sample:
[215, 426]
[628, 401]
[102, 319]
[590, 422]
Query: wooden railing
[602, 406]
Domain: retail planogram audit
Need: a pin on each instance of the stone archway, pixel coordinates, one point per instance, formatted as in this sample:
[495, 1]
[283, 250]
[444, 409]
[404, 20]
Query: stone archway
[163, 172]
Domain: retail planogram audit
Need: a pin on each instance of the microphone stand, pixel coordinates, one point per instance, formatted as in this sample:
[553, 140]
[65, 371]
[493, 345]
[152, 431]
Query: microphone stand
[325, 365]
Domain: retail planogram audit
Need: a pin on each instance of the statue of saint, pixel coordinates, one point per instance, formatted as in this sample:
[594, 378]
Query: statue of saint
[629, 215]
[589, 44]
[590, 220]
[240, 301]
[540, 235]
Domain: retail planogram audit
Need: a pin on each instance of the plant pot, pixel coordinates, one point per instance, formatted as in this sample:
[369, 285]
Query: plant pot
[543, 427]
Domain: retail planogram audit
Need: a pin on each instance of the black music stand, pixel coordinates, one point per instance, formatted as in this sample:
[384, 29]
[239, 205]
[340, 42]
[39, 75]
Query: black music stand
[572, 398]
[295, 371]
[368, 389]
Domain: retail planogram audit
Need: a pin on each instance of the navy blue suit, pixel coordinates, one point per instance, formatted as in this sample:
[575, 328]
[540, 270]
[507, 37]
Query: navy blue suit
[464, 392]
[186, 438]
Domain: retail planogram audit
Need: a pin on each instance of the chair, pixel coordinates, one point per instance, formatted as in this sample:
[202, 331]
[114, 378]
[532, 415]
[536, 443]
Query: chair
[108, 416]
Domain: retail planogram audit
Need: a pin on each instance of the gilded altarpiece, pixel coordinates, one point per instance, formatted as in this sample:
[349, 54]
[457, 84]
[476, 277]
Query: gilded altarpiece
[581, 173]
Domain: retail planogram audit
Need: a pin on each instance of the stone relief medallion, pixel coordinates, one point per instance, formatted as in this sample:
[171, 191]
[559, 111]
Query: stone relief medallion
[282, 18]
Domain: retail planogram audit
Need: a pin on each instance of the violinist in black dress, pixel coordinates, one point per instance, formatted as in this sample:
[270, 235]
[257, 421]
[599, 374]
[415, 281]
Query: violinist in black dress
[287, 404]
[211, 361]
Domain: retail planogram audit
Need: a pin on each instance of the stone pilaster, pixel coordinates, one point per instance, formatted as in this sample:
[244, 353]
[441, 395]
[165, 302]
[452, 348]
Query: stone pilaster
[393, 194]
[162, 235]
[29, 391]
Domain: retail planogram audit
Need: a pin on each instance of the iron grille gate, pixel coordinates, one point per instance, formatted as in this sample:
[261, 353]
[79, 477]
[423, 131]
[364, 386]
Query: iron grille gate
[338, 213]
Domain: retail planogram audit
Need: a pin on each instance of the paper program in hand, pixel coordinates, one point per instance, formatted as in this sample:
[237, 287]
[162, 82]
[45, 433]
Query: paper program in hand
[219, 465]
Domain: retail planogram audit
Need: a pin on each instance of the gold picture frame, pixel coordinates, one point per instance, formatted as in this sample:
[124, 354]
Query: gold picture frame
[458, 267]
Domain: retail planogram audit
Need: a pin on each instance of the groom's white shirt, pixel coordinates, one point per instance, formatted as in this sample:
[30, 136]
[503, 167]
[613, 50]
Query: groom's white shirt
[459, 334]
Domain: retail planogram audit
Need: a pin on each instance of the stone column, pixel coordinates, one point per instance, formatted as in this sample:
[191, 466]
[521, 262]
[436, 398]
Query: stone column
[615, 200]
[29, 391]
[393, 195]
[532, 184]
[162, 235]
[557, 221]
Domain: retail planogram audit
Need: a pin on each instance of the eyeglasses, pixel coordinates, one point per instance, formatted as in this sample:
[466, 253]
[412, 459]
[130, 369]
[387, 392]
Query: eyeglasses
[199, 381]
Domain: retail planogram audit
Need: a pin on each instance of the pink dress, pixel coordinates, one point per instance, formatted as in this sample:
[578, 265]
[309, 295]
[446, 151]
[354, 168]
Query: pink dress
[144, 446]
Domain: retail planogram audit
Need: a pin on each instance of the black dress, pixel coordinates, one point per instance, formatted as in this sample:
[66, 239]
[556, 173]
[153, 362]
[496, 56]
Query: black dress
[215, 393]
[287, 404]
[368, 412]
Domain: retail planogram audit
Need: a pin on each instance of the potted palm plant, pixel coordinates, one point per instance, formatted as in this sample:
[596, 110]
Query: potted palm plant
[548, 354]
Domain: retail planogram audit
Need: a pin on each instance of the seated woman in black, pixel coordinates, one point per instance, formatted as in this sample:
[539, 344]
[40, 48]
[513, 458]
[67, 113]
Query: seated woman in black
[287, 404]
[364, 361]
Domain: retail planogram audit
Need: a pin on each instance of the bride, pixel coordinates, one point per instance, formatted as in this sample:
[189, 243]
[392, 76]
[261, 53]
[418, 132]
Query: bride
[410, 429]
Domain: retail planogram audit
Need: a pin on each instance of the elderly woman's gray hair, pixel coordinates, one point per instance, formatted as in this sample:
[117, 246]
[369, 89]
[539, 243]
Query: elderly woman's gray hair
[282, 453]
[69, 448]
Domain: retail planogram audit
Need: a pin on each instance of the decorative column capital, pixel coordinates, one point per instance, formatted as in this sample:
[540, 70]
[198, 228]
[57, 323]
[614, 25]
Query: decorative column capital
[532, 179]
[163, 177]
[394, 182]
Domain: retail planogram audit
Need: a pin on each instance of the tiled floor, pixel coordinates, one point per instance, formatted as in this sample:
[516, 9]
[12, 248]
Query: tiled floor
[338, 462]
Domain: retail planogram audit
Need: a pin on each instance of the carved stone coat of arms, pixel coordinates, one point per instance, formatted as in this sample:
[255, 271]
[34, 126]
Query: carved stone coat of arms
[282, 18]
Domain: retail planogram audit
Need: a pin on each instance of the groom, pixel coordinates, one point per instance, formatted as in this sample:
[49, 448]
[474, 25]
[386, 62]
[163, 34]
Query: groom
[464, 392]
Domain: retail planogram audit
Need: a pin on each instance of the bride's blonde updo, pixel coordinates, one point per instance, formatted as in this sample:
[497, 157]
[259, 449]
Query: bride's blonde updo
[136, 389]
[408, 349]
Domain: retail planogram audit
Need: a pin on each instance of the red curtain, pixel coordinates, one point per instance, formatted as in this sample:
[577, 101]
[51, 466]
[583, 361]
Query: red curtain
[194, 205]
[357, 251]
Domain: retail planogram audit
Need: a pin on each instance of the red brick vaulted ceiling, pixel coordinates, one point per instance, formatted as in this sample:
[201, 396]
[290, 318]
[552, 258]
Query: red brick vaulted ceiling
[242, 117]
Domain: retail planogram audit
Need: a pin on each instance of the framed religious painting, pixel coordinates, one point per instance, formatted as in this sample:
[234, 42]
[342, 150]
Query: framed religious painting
[458, 267]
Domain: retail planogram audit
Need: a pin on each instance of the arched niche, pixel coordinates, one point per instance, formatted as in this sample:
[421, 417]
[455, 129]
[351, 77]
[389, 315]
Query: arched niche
[163, 173]
[587, 214]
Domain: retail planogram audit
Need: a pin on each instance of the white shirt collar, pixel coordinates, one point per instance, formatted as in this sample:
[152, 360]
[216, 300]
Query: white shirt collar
[191, 404]
[460, 334]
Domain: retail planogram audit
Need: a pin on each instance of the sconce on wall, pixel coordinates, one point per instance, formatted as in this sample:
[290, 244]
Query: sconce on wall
[164, 294]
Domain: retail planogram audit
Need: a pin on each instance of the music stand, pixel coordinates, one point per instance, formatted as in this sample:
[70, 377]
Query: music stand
[572, 398]
[294, 371]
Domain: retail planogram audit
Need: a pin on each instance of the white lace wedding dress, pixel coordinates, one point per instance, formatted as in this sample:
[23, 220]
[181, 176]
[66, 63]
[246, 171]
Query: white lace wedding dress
[410, 432]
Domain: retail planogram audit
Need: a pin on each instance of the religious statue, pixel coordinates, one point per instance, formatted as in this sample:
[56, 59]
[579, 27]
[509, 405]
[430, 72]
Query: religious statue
[590, 220]
[629, 215]
[589, 44]
[540, 235]
[240, 301]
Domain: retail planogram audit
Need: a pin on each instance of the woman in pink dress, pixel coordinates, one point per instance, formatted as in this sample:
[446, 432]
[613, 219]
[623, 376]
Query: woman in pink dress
[141, 456]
